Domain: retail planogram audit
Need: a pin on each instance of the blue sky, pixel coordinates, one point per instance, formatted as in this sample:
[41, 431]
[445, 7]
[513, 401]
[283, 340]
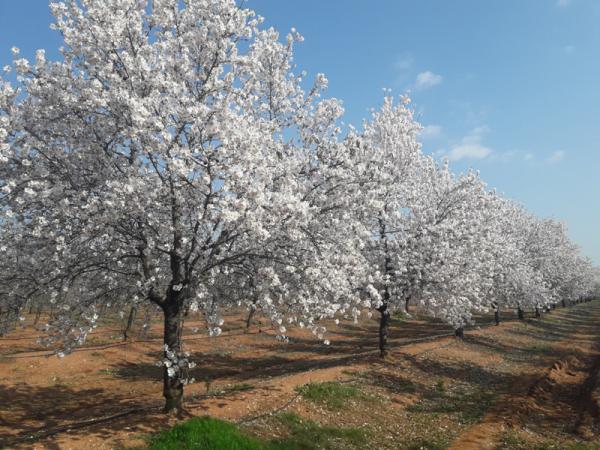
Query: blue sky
[511, 88]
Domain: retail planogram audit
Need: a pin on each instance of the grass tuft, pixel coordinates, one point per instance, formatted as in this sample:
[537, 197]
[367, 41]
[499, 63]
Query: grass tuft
[205, 433]
[332, 394]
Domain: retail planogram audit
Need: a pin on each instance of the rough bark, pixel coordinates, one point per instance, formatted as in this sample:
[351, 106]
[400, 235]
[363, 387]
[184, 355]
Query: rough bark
[383, 329]
[172, 386]
[384, 320]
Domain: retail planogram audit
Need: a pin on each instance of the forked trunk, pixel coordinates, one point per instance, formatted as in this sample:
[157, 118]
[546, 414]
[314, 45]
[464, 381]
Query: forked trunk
[172, 385]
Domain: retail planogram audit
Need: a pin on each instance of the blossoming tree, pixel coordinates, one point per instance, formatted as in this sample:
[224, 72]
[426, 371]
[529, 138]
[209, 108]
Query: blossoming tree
[155, 163]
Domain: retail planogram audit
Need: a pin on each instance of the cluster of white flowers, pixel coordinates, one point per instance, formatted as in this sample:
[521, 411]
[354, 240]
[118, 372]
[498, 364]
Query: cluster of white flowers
[177, 364]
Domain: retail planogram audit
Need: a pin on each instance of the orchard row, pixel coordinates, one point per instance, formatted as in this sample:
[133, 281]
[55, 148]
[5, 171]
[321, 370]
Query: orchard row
[175, 155]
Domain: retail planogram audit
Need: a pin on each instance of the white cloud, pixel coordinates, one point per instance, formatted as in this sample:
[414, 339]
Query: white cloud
[563, 3]
[556, 157]
[427, 79]
[468, 151]
[431, 132]
[470, 146]
[528, 156]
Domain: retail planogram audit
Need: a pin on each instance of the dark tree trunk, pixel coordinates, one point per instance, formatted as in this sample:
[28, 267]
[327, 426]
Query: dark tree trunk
[249, 318]
[384, 320]
[537, 312]
[564, 304]
[553, 306]
[406, 302]
[383, 328]
[38, 313]
[172, 386]
[497, 316]
[520, 313]
[130, 319]
[459, 333]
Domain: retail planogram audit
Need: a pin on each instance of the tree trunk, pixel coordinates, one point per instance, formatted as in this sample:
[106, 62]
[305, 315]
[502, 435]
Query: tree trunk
[537, 312]
[38, 313]
[497, 316]
[383, 329]
[459, 333]
[406, 302]
[172, 386]
[520, 313]
[130, 319]
[249, 318]
[383, 309]
[564, 304]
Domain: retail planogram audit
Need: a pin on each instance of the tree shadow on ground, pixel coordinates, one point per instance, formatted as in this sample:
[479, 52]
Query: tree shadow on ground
[235, 368]
[27, 410]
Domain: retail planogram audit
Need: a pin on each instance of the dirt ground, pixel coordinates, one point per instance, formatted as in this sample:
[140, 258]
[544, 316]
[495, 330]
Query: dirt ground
[522, 385]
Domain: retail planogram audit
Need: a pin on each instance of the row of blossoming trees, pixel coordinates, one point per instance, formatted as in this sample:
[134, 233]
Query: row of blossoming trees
[174, 156]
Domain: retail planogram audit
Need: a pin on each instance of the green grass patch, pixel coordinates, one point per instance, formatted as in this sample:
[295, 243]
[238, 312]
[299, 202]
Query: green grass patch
[440, 386]
[332, 394]
[304, 434]
[205, 433]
